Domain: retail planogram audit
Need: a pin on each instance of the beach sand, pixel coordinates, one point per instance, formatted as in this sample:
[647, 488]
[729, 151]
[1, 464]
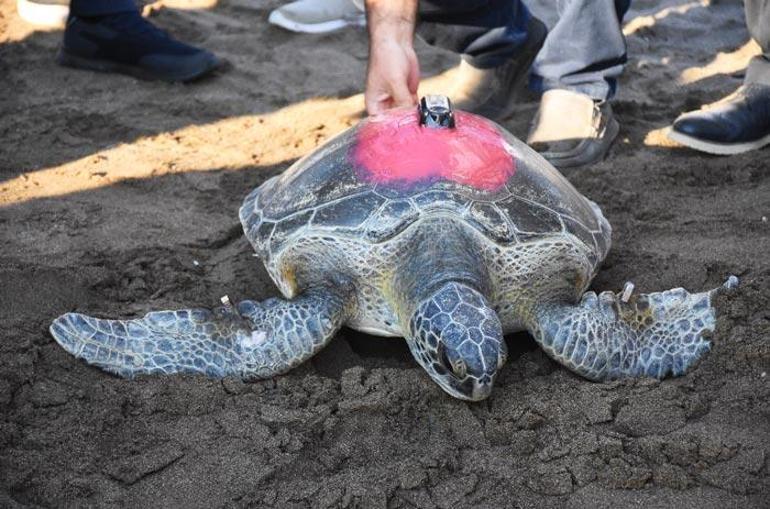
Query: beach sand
[119, 196]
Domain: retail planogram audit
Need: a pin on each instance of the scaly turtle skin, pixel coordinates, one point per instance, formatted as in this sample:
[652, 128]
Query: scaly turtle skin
[440, 227]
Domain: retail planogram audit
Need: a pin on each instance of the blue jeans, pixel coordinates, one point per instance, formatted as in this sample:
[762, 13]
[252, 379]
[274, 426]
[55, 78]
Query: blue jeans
[758, 22]
[87, 8]
[585, 51]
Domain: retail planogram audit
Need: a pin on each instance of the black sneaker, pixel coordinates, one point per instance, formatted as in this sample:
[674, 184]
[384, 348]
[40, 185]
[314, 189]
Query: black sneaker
[129, 44]
[738, 123]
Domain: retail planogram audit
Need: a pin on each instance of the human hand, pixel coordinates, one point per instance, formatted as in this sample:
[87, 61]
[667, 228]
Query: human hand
[392, 78]
[394, 72]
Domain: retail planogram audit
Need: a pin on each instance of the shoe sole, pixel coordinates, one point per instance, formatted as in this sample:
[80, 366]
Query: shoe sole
[69, 60]
[721, 149]
[277, 18]
[593, 152]
[47, 15]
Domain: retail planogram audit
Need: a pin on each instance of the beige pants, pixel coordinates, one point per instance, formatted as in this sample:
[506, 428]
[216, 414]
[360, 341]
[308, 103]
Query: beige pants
[758, 21]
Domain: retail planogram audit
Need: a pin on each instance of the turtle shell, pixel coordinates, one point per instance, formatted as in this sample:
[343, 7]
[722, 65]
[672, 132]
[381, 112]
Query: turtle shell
[375, 179]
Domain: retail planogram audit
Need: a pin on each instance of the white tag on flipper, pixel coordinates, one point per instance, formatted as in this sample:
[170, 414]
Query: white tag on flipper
[628, 289]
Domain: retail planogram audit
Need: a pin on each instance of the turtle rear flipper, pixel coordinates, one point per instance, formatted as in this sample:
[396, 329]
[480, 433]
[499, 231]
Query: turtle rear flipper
[614, 336]
[256, 340]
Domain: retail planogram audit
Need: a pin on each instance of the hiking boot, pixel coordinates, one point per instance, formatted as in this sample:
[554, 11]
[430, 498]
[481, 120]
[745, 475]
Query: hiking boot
[129, 44]
[738, 123]
[494, 92]
[572, 129]
[318, 16]
[48, 13]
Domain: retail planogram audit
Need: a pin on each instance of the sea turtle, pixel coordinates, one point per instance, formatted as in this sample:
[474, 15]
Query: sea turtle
[435, 225]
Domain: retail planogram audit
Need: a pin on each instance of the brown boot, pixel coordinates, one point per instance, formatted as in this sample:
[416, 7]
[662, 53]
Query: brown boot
[571, 129]
[494, 92]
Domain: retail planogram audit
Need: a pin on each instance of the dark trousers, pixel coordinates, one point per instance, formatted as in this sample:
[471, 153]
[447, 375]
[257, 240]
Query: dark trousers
[87, 8]
[585, 51]
[485, 32]
[758, 21]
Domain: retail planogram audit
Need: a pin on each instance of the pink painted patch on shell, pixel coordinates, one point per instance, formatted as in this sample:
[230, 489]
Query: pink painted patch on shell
[394, 148]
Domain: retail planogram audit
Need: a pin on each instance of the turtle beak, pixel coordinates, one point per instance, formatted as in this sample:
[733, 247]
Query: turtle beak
[482, 388]
[470, 389]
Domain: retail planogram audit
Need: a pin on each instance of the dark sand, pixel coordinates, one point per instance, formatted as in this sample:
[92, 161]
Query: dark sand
[110, 189]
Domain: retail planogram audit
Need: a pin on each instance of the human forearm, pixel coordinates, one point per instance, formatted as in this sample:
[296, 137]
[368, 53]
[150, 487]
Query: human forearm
[394, 74]
[391, 20]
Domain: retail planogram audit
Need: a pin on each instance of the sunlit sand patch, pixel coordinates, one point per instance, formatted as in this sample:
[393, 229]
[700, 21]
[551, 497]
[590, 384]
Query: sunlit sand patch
[641, 22]
[723, 63]
[22, 30]
[196, 12]
[439, 84]
[240, 142]
[185, 5]
[659, 138]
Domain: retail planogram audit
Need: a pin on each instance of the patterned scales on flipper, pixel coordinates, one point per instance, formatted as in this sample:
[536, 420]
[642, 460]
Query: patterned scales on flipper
[328, 193]
[609, 336]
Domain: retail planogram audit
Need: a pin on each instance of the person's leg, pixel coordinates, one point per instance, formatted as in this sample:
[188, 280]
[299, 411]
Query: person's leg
[112, 36]
[741, 121]
[577, 71]
[498, 40]
[89, 8]
[585, 51]
[486, 32]
[758, 21]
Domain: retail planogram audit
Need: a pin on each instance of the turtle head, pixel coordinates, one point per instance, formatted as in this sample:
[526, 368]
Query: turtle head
[458, 339]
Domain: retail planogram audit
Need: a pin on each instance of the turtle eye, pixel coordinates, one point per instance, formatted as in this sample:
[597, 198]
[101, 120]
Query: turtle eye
[457, 368]
[443, 357]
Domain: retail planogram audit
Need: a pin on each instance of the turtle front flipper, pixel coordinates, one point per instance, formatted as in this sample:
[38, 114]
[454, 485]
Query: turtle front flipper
[252, 340]
[614, 336]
